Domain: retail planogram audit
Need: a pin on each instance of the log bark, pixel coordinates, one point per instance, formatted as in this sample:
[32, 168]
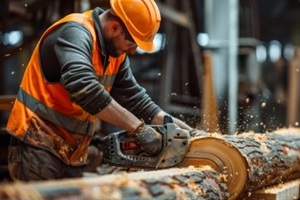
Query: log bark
[249, 161]
[271, 158]
[186, 183]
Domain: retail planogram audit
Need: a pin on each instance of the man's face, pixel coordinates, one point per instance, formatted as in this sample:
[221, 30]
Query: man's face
[121, 43]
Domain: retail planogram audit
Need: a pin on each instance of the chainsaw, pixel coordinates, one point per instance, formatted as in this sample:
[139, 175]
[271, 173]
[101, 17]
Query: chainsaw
[120, 148]
[179, 149]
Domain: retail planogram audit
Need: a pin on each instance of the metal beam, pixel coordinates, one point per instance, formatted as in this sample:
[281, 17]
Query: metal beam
[232, 65]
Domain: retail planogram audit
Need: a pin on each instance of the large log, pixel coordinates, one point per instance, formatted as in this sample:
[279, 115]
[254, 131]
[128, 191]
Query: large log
[249, 161]
[245, 162]
[186, 183]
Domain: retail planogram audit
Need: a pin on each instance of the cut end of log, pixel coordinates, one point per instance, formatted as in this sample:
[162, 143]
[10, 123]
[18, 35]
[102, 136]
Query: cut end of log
[222, 157]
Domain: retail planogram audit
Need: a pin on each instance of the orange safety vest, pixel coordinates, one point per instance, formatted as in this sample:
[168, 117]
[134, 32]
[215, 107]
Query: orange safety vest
[43, 114]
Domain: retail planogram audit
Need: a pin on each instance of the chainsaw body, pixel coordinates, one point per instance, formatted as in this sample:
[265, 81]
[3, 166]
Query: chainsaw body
[121, 149]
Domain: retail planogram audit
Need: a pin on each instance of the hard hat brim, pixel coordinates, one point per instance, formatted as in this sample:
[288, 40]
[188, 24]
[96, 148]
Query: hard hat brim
[146, 46]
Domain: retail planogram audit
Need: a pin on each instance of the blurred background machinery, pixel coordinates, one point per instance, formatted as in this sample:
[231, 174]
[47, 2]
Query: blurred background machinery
[222, 66]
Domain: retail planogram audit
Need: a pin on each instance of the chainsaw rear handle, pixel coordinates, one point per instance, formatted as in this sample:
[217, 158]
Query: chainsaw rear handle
[113, 153]
[174, 147]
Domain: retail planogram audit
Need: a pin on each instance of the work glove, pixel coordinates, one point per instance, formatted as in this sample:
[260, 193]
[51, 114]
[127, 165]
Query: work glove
[149, 139]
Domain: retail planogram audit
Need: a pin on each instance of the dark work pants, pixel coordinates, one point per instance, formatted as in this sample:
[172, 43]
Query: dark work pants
[29, 163]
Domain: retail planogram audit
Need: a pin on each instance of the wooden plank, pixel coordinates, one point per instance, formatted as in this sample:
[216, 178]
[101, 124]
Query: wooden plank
[293, 104]
[23, 7]
[209, 111]
[6, 102]
[286, 191]
[173, 15]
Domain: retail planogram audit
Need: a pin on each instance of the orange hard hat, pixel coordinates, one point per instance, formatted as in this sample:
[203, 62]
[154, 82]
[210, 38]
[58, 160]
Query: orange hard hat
[141, 18]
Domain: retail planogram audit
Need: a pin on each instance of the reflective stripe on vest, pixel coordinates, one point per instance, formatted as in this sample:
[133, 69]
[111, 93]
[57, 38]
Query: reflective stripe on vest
[71, 124]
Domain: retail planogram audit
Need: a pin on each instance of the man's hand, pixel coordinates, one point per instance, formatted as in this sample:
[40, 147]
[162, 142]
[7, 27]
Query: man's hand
[149, 139]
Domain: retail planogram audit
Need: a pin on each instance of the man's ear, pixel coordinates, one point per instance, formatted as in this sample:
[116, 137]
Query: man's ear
[116, 27]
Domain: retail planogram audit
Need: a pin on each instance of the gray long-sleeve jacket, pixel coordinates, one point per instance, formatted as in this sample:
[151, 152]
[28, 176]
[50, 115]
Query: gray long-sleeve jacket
[65, 57]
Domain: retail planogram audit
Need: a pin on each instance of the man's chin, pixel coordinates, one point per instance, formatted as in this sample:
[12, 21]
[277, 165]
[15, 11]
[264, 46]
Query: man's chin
[115, 55]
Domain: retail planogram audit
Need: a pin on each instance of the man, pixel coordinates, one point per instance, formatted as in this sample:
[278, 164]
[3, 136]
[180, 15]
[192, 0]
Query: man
[78, 74]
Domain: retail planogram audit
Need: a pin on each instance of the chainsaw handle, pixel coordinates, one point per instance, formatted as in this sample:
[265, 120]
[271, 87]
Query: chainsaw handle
[113, 153]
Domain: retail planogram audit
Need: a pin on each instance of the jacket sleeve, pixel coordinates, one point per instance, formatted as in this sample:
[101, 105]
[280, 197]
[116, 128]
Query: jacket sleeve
[127, 92]
[73, 49]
